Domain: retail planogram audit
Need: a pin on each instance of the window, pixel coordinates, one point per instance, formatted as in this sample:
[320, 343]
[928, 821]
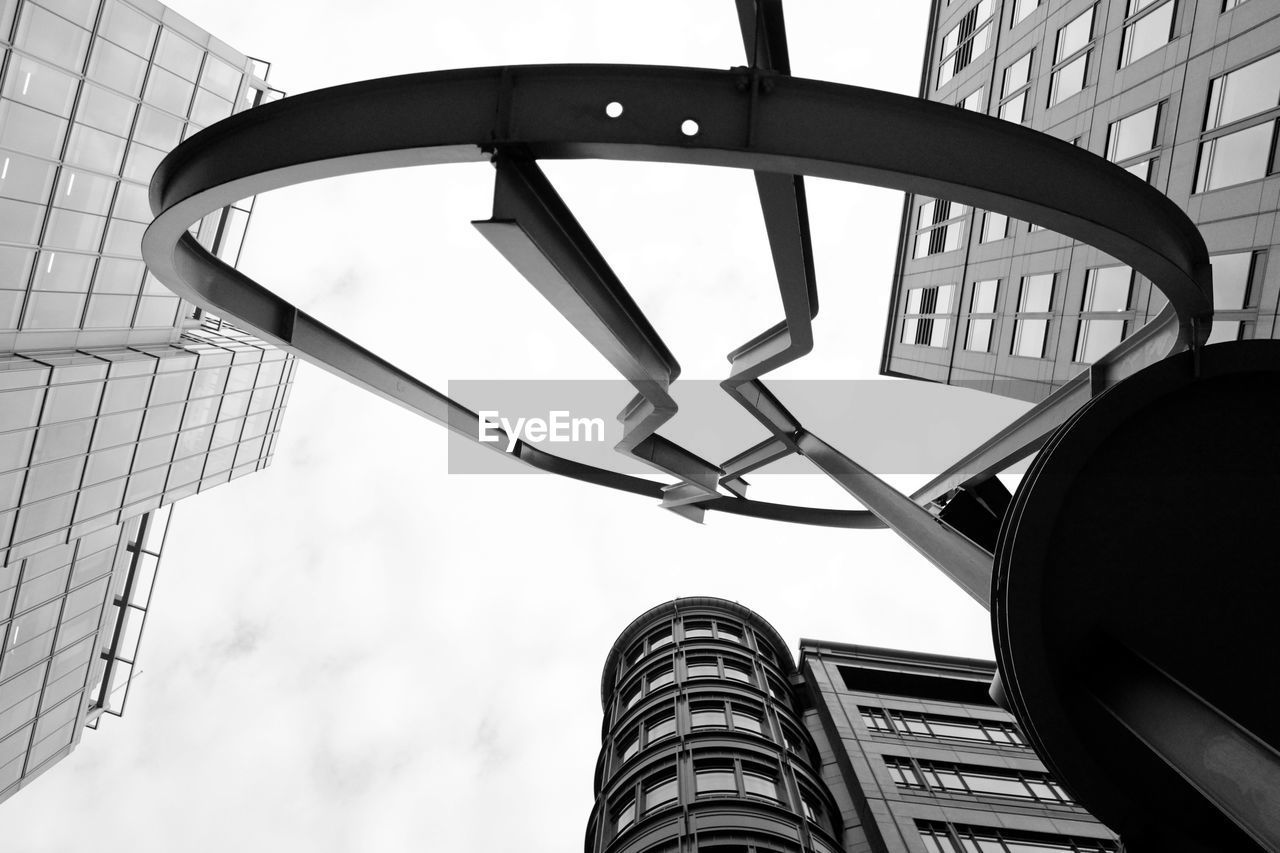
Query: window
[737, 671]
[1228, 5]
[703, 668]
[1031, 325]
[880, 721]
[1014, 88]
[1131, 141]
[721, 775]
[659, 727]
[624, 815]
[660, 789]
[972, 101]
[1106, 291]
[760, 781]
[745, 721]
[964, 42]
[1240, 126]
[707, 715]
[982, 316]
[1237, 278]
[949, 778]
[1022, 10]
[951, 838]
[697, 630]
[658, 639]
[629, 746]
[714, 777]
[631, 697]
[939, 227]
[927, 315]
[1147, 26]
[660, 678]
[1071, 57]
[995, 226]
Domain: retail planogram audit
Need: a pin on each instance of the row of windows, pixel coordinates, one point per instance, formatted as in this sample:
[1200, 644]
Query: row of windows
[1108, 292]
[954, 838]
[948, 778]
[1242, 120]
[938, 726]
[703, 714]
[713, 776]
[701, 665]
[695, 629]
[1148, 26]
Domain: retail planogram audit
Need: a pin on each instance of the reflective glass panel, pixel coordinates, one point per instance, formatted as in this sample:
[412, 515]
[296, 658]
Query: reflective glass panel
[117, 68]
[1231, 280]
[50, 37]
[179, 55]
[25, 178]
[68, 229]
[1146, 34]
[1247, 91]
[128, 28]
[1133, 135]
[33, 131]
[1235, 158]
[38, 85]
[105, 110]
[168, 91]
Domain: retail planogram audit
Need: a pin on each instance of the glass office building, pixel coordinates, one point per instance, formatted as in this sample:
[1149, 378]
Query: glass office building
[1185, 96]
[117, 399]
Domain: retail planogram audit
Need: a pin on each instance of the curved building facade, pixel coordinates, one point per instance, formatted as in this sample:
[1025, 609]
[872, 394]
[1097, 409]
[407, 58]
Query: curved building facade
[703, 748]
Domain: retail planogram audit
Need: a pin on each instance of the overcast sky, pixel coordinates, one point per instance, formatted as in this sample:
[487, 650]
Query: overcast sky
[356, 650]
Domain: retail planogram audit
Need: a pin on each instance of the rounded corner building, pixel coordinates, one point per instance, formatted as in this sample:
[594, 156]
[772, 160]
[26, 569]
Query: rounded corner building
[703, 748]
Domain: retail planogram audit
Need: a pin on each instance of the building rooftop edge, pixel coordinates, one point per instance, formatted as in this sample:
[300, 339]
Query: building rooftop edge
[679, 605]
[906, 656]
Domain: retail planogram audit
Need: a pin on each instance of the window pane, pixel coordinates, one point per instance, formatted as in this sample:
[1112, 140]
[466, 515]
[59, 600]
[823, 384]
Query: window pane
[1231, 280]
[158, 129]
[25, 178]
[658, 792]
[95, 149]
[1107, 289]
[744, 722]
[1147, 34]
[220, 78]
[128, 28]
[661, 728]
[65, 271]
[1068, 80]
[39, 85]
[1029, 337]
[714, 779]
[1244, 92]
[117, 68]
[50, 37]
[1074, 35]
[1132, 135]
[1235, 158]
[23, 128]
[105, 110]
[168, 91]
[707, 718]
[756, 782]
[84, 191]
[179, 55]
[1037, 293]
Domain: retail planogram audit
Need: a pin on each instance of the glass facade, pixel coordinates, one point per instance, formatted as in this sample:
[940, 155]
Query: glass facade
[117, 399]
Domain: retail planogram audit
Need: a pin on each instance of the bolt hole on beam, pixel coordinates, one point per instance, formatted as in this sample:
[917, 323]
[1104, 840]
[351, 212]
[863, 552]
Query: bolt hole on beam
[613, 109]
[689, 127]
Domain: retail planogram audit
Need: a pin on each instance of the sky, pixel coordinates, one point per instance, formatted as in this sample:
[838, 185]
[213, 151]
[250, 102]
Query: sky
[356, 649]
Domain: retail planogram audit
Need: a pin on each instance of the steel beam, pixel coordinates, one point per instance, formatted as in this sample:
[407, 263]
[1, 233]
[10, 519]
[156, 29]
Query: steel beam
[1228, 765]
[537, 233]
[958, 558]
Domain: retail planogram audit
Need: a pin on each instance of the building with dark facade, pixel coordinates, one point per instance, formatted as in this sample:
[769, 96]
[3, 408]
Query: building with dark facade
[714, 740]
[1184, 94]
[117, 398]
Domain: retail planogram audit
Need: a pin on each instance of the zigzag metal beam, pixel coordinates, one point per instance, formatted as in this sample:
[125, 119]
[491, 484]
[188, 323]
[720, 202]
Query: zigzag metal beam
[803, 127]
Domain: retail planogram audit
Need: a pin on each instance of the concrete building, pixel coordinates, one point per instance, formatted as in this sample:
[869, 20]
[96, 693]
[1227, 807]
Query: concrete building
[1184, 94]
[117, 399]
[714, 740]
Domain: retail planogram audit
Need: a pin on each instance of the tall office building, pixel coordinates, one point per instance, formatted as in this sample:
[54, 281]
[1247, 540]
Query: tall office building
[713, 740]
[1184, 94]
[116, 398]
